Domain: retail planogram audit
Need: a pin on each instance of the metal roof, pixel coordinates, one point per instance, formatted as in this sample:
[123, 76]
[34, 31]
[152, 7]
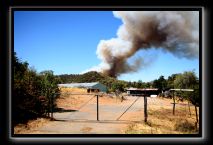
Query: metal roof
[83, 85]
[144, 89]
[186, 90]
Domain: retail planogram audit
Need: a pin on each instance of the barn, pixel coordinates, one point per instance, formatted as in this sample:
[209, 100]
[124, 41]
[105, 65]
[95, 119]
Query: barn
[91, 87]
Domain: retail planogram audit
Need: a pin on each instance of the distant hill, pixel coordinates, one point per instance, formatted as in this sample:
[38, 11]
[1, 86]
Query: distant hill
[91, 76]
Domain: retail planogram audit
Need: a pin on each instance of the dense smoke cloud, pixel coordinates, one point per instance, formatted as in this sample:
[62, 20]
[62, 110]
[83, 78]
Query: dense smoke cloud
[174, 31]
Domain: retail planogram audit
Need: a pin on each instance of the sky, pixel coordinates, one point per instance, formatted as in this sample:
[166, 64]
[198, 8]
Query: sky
[66, 43]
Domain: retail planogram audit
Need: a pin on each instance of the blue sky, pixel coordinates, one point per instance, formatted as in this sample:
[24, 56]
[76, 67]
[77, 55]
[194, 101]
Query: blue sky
[66, 42]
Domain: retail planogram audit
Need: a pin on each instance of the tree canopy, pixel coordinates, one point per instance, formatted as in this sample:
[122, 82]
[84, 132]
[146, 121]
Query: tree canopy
[188, 80]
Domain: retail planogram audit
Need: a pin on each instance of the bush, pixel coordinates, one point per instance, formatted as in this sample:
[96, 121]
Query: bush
[31, 92]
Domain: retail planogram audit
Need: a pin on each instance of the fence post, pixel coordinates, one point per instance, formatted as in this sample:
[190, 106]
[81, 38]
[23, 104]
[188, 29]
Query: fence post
[51, 107]
[97, 109]
[189, 108]
[173, 104]
[145, 109]
[48, 110]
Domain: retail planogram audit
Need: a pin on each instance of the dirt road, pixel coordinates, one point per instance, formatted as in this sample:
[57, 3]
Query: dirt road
[112, 119]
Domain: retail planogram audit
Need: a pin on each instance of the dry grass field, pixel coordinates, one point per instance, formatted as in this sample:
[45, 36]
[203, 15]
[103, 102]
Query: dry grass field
[30, 126]
[72, 90]
[162, 121]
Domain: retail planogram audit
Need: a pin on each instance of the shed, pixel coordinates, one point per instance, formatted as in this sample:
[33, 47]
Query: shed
[152, 92]
[91, 87]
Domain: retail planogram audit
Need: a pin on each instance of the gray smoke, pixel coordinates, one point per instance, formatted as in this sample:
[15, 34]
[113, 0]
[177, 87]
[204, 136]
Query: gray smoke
[174, 31]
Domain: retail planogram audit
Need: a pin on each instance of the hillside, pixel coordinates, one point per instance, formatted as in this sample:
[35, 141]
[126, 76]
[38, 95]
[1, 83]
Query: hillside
[90, 77]
[80, 78]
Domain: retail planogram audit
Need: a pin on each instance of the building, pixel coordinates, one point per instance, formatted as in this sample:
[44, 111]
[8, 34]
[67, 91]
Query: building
[150, 92]
[91, 87]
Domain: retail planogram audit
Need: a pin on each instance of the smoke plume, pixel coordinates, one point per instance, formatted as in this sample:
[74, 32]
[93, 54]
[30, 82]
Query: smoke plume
[174, 31]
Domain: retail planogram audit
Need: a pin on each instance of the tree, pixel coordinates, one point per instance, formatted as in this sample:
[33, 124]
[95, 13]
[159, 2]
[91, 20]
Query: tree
[49, 88]
[25, 102]
[139, 84]
[28, 88]
[147, 85]
[188, 80]
[117, 87]
[170, 81]
[129, 84]
[160, 83]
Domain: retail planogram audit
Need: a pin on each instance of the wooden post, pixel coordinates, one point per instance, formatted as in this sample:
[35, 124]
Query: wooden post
[97, 109]
[173, 104]
[51, 107]
[48, 110]
[189, 108]
[145, 109]
[196, 116]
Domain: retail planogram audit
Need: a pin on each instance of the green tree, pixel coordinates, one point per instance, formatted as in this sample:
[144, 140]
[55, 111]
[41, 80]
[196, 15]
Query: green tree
[147, 85]
[28, 88]
[170, 81]
[117, 86]
[25, 102]
[188, 80]
[49, 88]
[160, 83]
[139, 84]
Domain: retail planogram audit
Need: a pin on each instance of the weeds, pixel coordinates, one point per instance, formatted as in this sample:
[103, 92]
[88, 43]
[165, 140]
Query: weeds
[184, 126]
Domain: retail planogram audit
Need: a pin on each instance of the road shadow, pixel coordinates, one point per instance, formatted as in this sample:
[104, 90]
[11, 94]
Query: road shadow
[100, 121]
[62, 110]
